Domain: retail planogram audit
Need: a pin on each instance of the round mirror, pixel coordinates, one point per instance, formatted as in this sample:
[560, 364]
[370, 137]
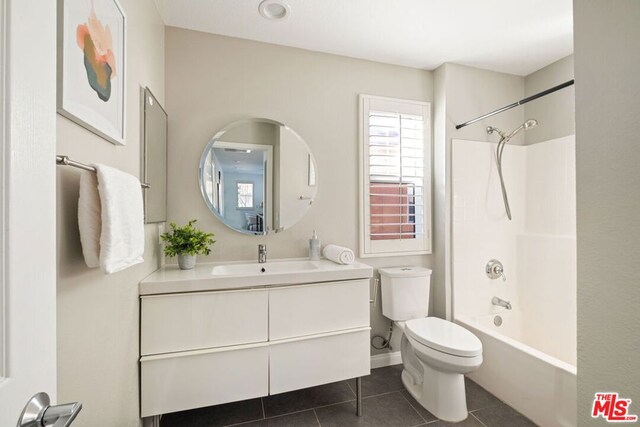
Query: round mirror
[258, 176]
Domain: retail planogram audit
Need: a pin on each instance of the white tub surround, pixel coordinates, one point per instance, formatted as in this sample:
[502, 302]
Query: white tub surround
[529, 360]
[537, 384]
[208, 339]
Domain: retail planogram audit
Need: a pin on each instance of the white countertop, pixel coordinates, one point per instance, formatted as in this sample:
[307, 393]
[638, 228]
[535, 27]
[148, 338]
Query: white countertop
[170, 279]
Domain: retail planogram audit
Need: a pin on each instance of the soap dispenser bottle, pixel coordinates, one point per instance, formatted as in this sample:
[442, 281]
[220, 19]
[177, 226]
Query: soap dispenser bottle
[314, 247]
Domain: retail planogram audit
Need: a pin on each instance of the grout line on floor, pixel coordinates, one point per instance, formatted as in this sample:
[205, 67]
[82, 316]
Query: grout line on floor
[499, 403]
[332, 404]
[478, 419]
[382, 394]
[413, 407]
[268, 418]
[353, 400]
[493, 405]
[317, 419]
[264, 414]
[386, 392]
[351, 388]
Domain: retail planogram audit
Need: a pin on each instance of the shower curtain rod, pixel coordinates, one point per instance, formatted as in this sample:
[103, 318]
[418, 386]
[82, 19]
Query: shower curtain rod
[515, 104]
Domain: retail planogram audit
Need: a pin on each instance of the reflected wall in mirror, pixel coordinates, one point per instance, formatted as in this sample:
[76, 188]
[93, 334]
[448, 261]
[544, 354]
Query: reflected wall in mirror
[154, 159]
[258, 176]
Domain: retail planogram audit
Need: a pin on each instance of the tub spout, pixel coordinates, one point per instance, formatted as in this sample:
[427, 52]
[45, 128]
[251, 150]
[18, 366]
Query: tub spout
[501, 303]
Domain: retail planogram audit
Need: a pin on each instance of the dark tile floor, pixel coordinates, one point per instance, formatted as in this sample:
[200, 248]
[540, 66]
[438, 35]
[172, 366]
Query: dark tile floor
[385, 404]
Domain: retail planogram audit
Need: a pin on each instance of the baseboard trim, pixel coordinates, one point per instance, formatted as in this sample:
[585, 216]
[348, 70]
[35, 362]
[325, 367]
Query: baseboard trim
[385, 359]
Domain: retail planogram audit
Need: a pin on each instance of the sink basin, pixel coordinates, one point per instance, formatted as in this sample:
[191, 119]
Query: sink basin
[253, 268]
[212, 277]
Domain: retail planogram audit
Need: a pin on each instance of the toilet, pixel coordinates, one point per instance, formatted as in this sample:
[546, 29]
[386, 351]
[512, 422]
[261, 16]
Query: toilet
[435, 353]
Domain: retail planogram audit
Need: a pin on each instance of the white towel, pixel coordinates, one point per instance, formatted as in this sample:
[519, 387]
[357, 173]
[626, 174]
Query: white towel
[89, 220]
[122, 236]
[338, 254]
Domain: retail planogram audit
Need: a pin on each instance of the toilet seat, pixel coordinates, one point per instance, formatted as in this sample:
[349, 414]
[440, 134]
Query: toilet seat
[444, 336]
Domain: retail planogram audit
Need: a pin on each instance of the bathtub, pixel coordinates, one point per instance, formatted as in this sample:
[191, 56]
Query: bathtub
[540, 386]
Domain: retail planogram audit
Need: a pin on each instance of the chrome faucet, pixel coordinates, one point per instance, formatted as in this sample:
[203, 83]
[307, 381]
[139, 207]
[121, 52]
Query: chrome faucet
[501, 303]
[262, 254]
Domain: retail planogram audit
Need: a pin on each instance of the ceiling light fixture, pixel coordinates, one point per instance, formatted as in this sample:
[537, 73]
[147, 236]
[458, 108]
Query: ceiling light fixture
[274, 10]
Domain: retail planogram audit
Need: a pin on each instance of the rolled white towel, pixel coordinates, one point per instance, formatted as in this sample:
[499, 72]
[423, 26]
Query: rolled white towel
[338, 254]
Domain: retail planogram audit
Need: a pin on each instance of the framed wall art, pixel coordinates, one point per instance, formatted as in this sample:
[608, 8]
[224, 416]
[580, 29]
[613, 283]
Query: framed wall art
[91, 66]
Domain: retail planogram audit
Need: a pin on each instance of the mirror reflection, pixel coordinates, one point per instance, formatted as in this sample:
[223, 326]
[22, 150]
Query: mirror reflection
[154, 159]
[258, 176]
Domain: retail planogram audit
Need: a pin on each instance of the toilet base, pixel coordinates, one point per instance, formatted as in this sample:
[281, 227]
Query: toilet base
[441, 393]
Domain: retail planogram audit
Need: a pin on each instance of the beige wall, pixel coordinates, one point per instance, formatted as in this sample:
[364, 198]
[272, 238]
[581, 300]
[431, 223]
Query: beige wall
[607, 67]
[98, 314]
[555, 112]
[214, 80]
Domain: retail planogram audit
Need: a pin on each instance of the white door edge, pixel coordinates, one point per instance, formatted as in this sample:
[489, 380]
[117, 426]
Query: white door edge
[27, 204]
[3, 167]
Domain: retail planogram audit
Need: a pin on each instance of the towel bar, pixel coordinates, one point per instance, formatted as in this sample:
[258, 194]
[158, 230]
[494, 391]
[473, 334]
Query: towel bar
[66, 161]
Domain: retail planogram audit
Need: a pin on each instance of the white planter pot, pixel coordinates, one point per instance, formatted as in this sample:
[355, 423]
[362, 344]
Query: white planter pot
[186, 262]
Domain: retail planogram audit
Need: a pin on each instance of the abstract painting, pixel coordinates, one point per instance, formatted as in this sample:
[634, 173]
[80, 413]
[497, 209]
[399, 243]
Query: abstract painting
[91, 69]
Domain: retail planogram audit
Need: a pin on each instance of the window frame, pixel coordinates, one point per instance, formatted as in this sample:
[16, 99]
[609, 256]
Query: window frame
[397, 247]
[253, 199]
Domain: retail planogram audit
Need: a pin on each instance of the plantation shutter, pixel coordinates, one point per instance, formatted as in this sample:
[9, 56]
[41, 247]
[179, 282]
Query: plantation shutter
[396, 194]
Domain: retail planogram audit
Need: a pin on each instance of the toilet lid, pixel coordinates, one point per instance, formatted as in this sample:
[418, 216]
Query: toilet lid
[444, 336]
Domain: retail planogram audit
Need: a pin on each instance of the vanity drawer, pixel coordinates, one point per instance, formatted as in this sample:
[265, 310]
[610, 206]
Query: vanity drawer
[310, 361]
[322, 307]
[190, 321]
[179, 381]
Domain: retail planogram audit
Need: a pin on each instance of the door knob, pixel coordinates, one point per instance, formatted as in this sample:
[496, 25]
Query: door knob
[38, 413]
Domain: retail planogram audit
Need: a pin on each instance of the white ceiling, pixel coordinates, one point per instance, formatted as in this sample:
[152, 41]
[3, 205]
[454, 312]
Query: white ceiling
[511, 36]
[240, 162]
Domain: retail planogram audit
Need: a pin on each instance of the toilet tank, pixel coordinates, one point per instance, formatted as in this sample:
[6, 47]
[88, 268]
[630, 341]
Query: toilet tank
[405, 292]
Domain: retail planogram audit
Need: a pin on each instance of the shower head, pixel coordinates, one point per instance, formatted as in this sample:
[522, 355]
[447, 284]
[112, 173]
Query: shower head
[526, 126]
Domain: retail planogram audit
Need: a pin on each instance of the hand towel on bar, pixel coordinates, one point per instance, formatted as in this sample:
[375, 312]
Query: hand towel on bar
[122, 236]
[89, 221]
[338, 254]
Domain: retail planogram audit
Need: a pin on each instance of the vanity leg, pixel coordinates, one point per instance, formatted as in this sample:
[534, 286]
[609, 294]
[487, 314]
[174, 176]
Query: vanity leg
[359, 396]
[153, 421]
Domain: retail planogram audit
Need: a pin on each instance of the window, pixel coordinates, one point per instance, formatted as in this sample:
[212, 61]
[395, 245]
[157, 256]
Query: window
[395, 177]
[245, 195]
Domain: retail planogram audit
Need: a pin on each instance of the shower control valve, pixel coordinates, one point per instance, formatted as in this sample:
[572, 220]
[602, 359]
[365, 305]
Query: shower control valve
[494, 270]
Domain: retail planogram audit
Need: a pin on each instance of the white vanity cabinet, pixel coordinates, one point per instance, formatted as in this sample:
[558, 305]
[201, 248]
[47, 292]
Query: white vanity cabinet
[214, 346]
[318, 333]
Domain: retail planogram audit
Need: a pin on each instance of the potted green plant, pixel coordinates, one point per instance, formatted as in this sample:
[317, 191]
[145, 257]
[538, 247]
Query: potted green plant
[187, 242]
